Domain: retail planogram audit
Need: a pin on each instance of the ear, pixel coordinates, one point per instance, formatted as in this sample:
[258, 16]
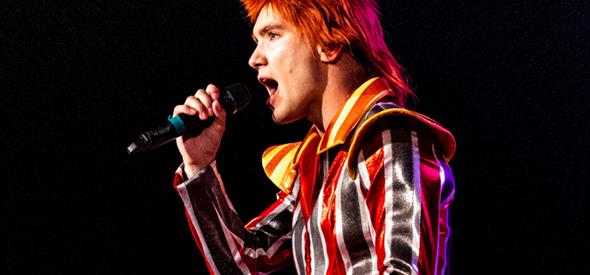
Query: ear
[329, 55]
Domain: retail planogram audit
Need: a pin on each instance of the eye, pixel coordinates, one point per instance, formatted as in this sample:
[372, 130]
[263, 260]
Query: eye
[272, 35]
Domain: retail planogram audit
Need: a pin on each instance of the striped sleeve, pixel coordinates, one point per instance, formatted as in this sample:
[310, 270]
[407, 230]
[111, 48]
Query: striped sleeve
[388, 190]
[401, 182]
[229, 246]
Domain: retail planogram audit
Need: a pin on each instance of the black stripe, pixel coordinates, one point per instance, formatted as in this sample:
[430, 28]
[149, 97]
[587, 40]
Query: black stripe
[268, 234]
[298, 244]
[352, 229]
[316, 240]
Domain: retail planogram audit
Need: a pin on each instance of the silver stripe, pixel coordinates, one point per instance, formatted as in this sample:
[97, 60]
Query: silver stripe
[284, 205]
[295, 191]
[363, 172]
[318, 243]
[402, 201]
[388, 203]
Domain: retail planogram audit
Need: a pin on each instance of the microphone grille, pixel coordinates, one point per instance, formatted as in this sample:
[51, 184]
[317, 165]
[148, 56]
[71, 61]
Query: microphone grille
[236, 97]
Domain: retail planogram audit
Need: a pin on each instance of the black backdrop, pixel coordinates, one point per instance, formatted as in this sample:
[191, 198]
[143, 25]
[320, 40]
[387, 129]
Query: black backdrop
[80, 79]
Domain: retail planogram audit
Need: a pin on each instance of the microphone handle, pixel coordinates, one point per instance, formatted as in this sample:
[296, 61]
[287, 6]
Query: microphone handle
[189, 125]
[233, 98]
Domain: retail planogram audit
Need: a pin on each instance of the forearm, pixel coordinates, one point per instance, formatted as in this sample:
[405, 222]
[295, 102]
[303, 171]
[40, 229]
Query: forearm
[228, 247]
[211, 219]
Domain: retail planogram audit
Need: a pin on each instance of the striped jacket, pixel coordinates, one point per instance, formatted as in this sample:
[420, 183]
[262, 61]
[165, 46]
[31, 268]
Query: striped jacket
[371, 196]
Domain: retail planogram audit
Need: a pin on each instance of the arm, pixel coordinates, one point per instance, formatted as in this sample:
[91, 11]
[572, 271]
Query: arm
[401, 180]
[228, 246]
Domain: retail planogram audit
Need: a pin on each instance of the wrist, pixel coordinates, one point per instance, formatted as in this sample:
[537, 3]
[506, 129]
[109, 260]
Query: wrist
[192, 170]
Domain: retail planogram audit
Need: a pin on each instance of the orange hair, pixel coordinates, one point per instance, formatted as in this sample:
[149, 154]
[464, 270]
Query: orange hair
[353, 24]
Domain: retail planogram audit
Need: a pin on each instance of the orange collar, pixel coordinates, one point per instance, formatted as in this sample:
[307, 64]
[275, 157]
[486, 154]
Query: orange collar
[361, 100]
[280, 162]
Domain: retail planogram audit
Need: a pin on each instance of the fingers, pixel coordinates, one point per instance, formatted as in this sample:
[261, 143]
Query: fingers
[203, 103]
[218, 110]
[184, 109]
[213, 91]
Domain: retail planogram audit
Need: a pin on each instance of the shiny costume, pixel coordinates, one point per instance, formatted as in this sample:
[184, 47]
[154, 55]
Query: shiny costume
[370, 197]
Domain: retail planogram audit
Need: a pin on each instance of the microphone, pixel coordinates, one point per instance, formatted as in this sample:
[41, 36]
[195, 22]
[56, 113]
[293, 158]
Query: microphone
[233, 98]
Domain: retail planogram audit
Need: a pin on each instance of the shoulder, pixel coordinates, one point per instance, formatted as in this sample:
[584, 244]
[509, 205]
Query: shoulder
[398, 122]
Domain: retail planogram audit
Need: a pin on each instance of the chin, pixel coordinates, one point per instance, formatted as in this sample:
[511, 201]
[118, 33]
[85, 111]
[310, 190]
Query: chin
[284, 117]
[278, 120]
[283, 120]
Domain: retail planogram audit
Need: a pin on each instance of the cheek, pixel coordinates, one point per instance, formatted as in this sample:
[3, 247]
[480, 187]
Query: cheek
[299, 64]
[290, 62]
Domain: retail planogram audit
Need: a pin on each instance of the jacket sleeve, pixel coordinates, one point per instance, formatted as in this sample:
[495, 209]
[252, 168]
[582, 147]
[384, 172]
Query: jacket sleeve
[404, 186]
[229, 246]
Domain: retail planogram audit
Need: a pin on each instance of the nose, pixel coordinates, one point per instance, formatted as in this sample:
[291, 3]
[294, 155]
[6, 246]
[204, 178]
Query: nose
[257, 59]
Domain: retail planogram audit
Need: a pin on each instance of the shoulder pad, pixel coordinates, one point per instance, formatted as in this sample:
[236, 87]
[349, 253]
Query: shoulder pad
[445, 140]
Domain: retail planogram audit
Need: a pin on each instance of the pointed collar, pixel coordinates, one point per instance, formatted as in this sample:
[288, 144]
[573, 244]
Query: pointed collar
[351, 113]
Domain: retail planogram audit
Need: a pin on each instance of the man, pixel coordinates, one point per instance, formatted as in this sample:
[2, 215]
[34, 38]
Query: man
[368, 189]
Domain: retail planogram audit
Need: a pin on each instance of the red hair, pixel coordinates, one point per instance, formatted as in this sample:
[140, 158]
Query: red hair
[353, 24]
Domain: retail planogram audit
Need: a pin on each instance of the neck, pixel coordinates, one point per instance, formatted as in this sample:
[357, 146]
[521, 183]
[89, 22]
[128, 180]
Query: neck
[343, 77]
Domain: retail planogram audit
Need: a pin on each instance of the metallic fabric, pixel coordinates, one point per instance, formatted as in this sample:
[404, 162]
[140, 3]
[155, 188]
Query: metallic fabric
[371, 196]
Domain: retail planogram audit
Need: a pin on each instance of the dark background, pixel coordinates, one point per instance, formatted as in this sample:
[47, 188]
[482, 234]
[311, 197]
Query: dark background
[80, 80]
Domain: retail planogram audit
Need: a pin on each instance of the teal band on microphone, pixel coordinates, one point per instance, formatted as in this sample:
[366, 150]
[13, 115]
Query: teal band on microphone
[178, 124]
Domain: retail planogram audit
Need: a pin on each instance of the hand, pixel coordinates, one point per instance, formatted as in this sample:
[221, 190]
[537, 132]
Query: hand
[199, 151]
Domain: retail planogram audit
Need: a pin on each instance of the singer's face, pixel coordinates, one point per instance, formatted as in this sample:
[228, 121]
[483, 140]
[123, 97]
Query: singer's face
[288, 66]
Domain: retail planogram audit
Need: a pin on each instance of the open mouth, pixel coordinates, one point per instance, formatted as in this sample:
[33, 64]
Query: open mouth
[270, 84]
